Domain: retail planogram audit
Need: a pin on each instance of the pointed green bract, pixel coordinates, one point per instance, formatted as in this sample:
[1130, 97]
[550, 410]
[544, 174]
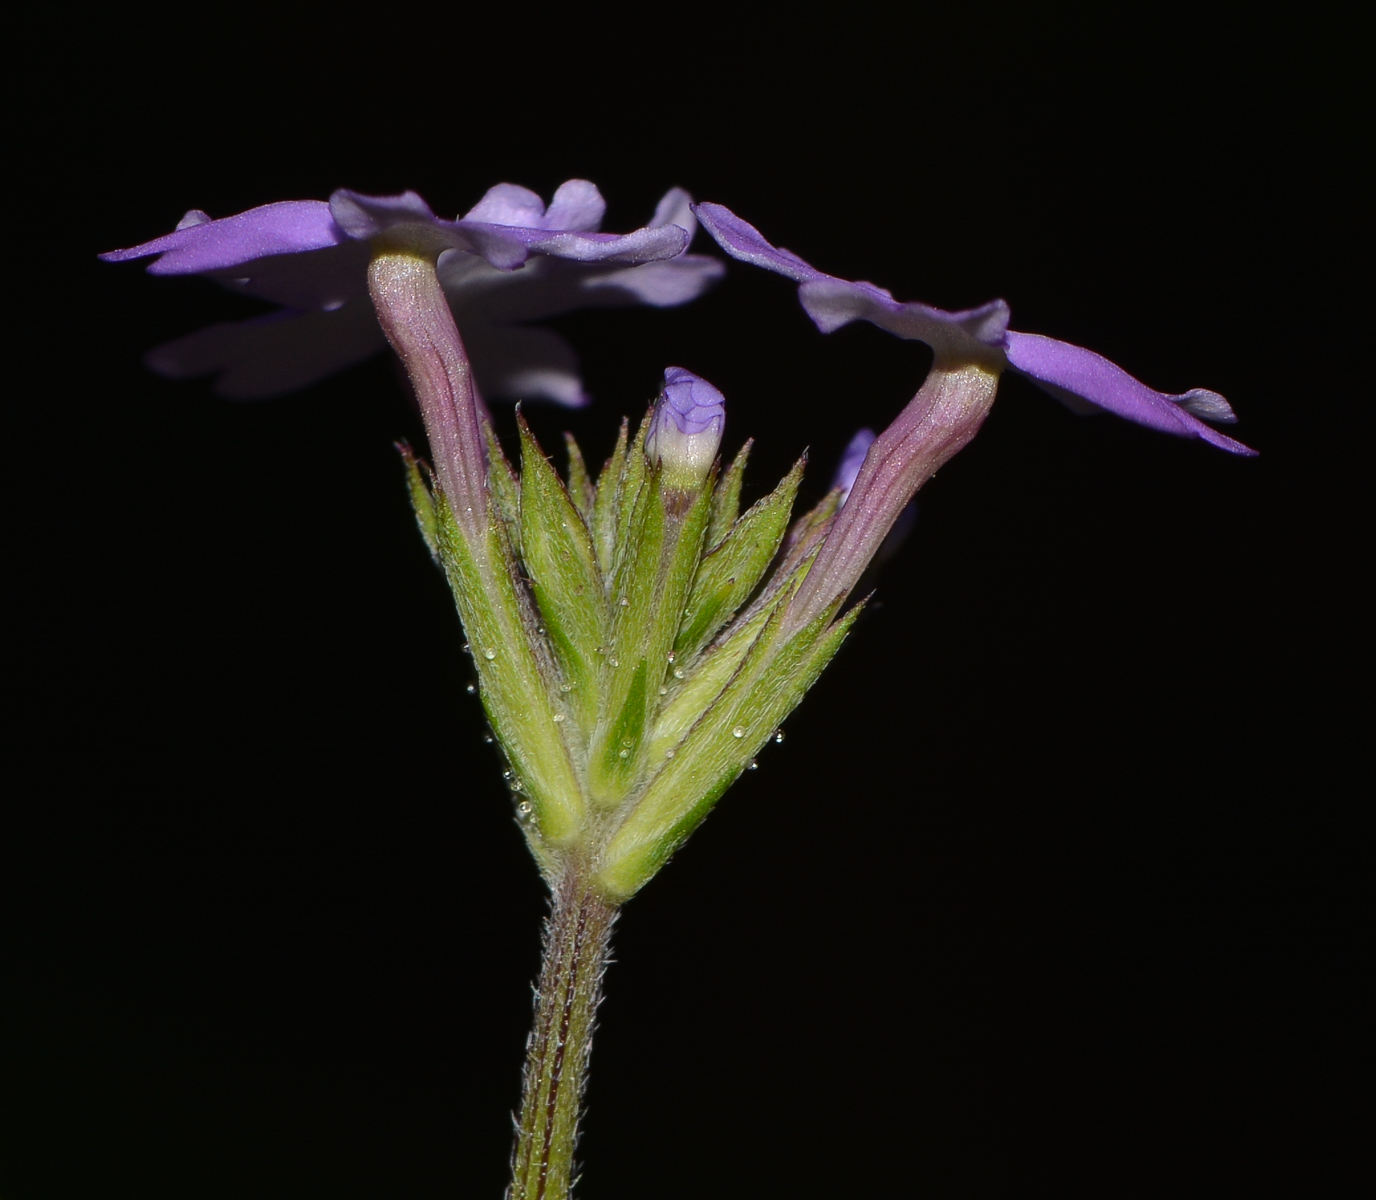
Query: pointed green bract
[418, 486]
[581, 490]
[730, 573]
[519, 691]
[706, 679]
[561, 565]
[629, 489]
[726, 500]
[766, 688]
[503, 488]
[658, 561]
[604, 502]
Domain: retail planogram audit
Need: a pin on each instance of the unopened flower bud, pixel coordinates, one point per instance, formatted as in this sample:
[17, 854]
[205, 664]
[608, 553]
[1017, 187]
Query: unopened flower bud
[685, 432]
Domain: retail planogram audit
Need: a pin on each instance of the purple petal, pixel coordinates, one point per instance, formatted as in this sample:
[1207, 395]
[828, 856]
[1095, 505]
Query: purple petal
[746, 243]
[643, 245]
[675, 207]
[659, 284]
[514, 362]
[319, 279]
[576, 205]
[507, 247]
[832, 303]
[852, 458]
[1059, 367]
[288, 227]
[363, 217]
[508, 204]
[274, 354]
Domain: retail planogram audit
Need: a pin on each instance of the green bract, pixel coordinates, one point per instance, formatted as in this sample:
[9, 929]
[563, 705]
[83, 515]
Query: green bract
[630, 641]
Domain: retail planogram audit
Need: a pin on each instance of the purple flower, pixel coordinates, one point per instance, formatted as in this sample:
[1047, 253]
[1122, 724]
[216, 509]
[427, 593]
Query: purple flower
[1081, 379]
[686, 430]
[508, 261]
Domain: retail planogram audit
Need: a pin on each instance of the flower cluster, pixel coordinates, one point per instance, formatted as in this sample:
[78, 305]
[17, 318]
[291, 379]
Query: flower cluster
[638, 636]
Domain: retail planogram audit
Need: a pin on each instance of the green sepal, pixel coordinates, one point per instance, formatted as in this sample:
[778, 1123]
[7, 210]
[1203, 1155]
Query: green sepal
[581, 490]
[604, 502]
[559, 560]
[502, 487]
[519, 692]
[706, 679]
[767, 687]
[629, 492]
[620, 742]
[726, 500]
[807, 533]
[659, 557]
[419, 484]
[730, 573]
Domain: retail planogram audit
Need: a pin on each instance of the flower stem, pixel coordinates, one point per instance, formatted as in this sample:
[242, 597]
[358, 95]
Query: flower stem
[577, 936]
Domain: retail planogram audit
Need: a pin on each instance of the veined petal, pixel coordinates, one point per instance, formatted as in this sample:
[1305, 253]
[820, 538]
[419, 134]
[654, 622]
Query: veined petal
[1059, 368]
[287, 227]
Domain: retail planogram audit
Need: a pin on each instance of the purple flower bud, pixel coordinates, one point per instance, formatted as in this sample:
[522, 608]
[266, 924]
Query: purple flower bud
[685, 432]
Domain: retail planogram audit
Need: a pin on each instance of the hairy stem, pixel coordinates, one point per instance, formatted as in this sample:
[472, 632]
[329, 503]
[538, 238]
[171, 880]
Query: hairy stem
[577, 936]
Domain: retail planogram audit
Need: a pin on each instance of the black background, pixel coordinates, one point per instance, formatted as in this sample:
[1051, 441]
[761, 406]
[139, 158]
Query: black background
[1060, 877]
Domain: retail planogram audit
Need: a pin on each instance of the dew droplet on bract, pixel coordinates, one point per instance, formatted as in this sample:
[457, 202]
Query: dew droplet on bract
[672, 656]
[471, 689]
[616, 662]
[663, 691]
[778, 736]
[754, 766]
[566, 687]
[738, 732]
[523, 809]
[678, 673]
[558, 718]
[489, 655]
[669, 754]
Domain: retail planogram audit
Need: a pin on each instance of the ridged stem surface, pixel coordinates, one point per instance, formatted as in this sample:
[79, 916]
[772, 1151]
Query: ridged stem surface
[577, 936]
